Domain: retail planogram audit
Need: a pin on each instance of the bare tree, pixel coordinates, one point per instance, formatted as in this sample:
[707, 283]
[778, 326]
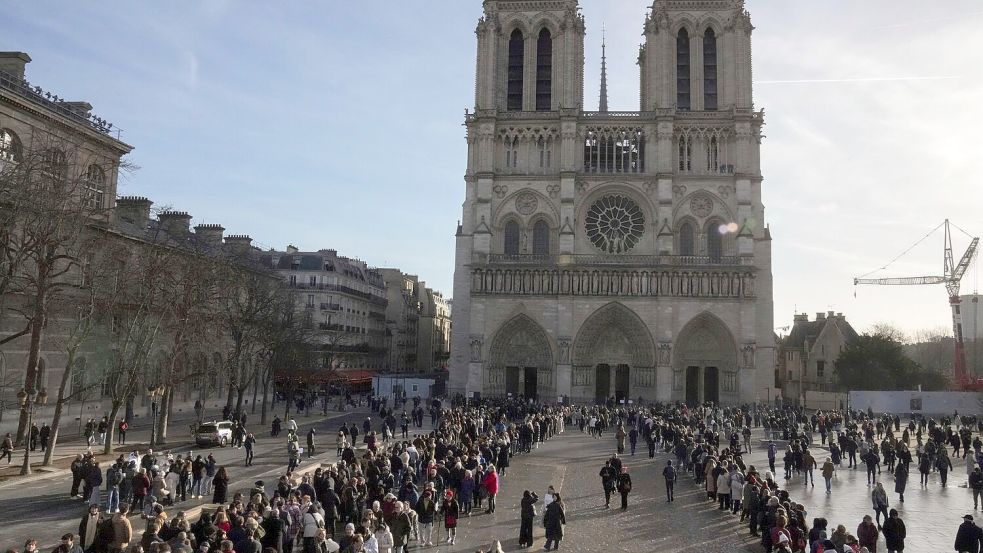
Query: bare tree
[52, 197]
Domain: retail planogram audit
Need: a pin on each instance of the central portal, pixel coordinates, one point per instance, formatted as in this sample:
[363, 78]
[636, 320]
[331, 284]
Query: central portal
[610, 382]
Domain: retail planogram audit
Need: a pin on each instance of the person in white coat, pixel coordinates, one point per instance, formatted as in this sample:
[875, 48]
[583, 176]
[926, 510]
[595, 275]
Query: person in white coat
[737, 483]
[384, 538]
[723, 490]
[312, 522]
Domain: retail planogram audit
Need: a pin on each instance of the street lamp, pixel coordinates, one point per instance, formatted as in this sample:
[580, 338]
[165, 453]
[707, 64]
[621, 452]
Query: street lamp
[154, 393]
[29, 402]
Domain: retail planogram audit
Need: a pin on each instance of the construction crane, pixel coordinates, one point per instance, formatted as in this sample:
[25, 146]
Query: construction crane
[952, 274]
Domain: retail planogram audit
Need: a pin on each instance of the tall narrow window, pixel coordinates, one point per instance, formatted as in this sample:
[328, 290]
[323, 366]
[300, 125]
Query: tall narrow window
[95, 187]
[511, 238]
[682, 70]
[544, 71]
[715, 244]
[709, 70]
[541, 238]
[686, 239]
[712, 155]
[516, 54]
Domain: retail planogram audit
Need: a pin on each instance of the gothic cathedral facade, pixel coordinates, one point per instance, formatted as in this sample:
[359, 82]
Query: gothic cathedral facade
[613, 254]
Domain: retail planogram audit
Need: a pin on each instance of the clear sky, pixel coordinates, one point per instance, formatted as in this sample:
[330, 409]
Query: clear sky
[337, 124]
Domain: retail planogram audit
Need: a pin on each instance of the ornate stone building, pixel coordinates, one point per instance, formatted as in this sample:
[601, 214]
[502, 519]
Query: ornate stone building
[613, 254]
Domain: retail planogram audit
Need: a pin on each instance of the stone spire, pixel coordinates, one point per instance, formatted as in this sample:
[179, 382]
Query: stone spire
[603, 105]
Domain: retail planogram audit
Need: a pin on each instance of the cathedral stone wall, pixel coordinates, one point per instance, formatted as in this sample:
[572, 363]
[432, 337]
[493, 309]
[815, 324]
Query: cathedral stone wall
[613, 254]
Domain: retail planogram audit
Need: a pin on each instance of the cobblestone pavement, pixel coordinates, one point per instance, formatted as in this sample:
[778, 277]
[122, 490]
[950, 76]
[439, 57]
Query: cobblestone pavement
[931, 513]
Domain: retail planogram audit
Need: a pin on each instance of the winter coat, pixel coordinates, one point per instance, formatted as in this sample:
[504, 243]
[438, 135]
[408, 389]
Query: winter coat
[867, 535]
[968, 537]
[553, 520]
[894, 533]
[311, 522]
[528, 506]
[900, 479]
[490, 482]
[122, 532]
[878, 498]
[737, 486]
[828, 469]
[723, 483]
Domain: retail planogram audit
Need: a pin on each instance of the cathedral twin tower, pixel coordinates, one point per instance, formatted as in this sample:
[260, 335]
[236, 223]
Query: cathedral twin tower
[608, 254]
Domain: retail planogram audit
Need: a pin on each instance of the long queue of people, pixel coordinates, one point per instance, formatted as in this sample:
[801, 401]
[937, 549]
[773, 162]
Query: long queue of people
[374, 500]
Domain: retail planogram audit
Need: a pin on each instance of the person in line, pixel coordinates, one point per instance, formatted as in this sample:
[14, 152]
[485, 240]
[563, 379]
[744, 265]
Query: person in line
[451, 509]
[553, 519]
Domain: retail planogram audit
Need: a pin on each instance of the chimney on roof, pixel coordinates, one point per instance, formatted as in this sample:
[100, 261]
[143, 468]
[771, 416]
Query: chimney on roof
[13, 63]
[175, 223]
[292, 249]
[210, 236]
[820, 316]
[830, 314]
[801, 318]
[239, 243]
[134, 210]
[839, 315]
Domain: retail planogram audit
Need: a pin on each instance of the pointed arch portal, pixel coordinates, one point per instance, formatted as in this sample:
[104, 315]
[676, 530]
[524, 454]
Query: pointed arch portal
[613, 352]
[521, 360]
[706, 353]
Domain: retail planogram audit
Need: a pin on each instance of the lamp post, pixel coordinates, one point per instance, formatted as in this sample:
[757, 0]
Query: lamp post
[29, 401]
[154, 393]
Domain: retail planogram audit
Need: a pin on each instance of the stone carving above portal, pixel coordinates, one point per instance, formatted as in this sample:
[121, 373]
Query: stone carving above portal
[665, 354]
[643, 377]
[747, 355]
[500, 190]
[582, 376]
[476, 343]
[520, 342]
[677, 379]
[563, 344]
[553, 190]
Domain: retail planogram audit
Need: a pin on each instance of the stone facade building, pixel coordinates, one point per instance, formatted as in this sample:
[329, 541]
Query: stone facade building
[343, 300]
[419, 323]
[807, 356]
[613, 254]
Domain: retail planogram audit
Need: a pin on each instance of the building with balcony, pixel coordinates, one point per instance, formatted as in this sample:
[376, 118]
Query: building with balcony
[342, 300]
[807, 356]
[607, 254]
[419, 323]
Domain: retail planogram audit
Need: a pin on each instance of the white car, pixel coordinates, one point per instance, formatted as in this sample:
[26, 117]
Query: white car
[214, 433]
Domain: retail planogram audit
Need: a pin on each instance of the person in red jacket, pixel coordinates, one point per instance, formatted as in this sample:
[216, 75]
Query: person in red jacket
[490, 482]
[867, 534]
[141, 487]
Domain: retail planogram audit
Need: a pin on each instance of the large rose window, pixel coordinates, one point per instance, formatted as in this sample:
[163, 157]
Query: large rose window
[615, 224]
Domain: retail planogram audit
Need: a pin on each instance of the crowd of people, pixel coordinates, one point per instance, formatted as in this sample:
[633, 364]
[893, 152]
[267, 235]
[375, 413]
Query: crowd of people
[710, 444]
[380, 499]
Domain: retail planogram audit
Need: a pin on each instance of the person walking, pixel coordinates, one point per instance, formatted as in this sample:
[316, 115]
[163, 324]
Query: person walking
[968, 536]
[879, 499]
[608, 480]
[310, 443]
[553, 520]
[894, 532]
[976, 484]
[828, 469]
[867, 534]
[249, 443]
[620, 436]
[7, 449]
[451, 510]
[624, 487]
[527, 516]
[900, 480]
[121, 432]
[669, 473]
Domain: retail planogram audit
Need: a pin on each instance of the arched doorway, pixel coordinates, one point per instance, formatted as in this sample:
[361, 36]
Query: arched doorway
[612, 348]
[520, 361]
[704, 352]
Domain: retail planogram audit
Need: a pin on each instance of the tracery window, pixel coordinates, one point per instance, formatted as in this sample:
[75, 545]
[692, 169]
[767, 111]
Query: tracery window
[686, 240]
[10, 146]
[95, 187]
[614, 150]
[512, 238]
[715, 245]
[541, 238]
[516, 59]
[614, 224]
[709, 70]
[713, 155]
[544, 71]
[685, 153]
[682, 70]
